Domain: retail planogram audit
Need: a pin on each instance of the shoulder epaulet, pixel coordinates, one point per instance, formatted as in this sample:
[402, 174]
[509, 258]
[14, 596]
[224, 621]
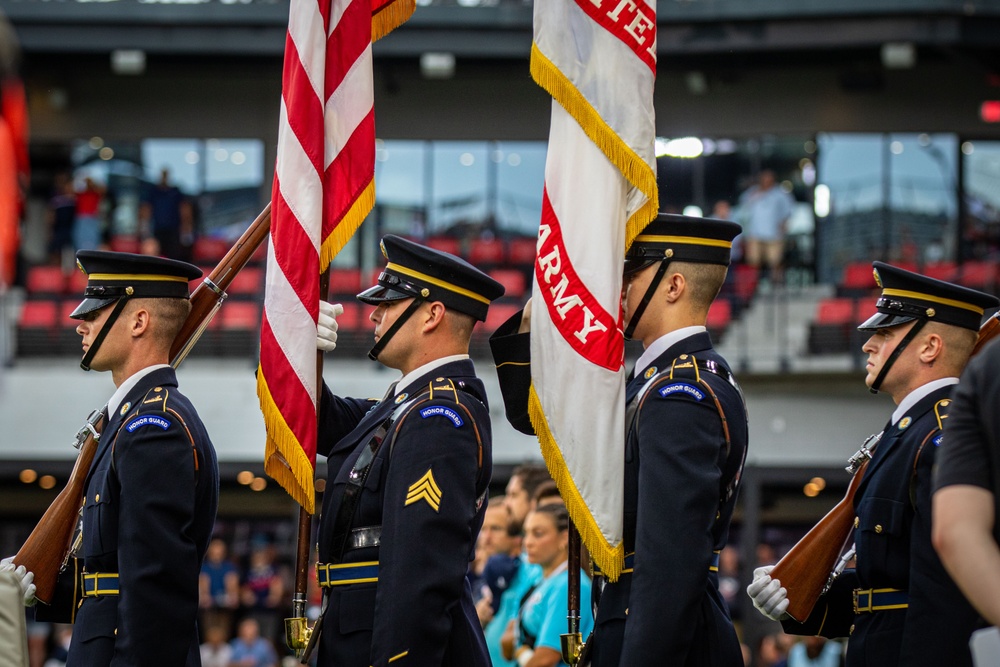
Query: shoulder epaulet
[442, 388]
[941, 411]
[154, 400]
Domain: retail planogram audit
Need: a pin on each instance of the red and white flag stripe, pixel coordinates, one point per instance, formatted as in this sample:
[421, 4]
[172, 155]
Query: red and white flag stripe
[323, 189]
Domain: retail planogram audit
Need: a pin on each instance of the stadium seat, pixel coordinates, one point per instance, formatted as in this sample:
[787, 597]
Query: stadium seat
[76, 282]
[248, 284]
[46, 281]
[858, 279]
[238, 331]
[445, 244]
[745, 282]
[345, 281]
[978, 275]
[36, 328]
[719, 316]
[497, 315]
[521, 251]
[941, 271]
[354, 317]
[838, 310]
[512, 280]
[486, 252]
[209, 250]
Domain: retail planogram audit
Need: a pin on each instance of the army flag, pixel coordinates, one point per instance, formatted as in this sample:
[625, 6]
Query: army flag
[597, 58]
[323, 189]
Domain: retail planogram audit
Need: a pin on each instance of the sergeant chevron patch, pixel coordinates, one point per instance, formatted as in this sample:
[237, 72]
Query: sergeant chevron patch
[425, 488]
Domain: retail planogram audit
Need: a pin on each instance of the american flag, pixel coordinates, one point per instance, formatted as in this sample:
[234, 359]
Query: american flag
[597, 58]
[323, 189]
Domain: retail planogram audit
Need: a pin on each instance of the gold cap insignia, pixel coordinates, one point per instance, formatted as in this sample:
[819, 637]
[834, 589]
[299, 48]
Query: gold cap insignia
[650, 372]
[381, 245]
[402, 397]
[878, 279]
[125, 409]
[904, 423]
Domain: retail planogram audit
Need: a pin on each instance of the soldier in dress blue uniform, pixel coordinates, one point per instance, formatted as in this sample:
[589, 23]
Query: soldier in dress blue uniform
[684, 451]
[153, 487]
[408, 475]
[898, 605]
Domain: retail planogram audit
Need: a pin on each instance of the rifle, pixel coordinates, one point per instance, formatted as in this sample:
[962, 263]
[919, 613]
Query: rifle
[47, 550]
[807, 570]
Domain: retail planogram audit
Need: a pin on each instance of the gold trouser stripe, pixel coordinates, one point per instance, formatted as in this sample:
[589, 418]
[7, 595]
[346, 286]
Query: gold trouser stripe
[102, 277]
[687, 240]
[436, 281]
[907, 294]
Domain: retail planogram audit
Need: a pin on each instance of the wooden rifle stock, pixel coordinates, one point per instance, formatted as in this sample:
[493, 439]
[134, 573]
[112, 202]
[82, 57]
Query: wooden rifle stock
[806, 568]
[47, 548]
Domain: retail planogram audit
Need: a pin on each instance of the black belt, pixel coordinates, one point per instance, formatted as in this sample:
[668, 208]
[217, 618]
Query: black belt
[364, 537]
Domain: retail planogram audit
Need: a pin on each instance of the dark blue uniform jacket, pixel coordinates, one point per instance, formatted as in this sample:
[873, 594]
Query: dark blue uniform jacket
[426, 489]
[150, 504]
[893, 540]
[680, 491]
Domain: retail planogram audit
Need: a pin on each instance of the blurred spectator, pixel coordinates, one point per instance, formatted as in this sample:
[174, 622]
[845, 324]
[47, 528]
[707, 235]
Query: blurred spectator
[534, 637]
[765, 210]
[263, 590]
[88, 230]
[218, 588]
[38, 639]
[61, 219]
[815, 652]
[524, 578]
[547, 492]
[249, 649]
[773, 650]
[166, 216]
[503, 558]
[216, 652]
[766, 554]
[729, 580]
[61, 637]
[521, 488]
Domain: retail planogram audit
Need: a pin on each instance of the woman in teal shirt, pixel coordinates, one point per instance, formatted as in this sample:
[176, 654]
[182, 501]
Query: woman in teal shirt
[534, 641]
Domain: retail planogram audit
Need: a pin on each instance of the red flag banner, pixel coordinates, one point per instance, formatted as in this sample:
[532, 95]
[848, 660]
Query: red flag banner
[323, 189]
[597, 58]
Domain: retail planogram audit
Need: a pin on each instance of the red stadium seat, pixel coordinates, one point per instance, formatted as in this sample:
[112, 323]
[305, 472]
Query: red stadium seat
[46, 280]
[237, 315]
[445, 244]
[941, 271]
[978, 275]
[76, 283]
[497, 315]
[345, 281]
[486, 251]
[720, 314]
[521, 251]
[858, 276]
[248, 283]
[210, 250]
[512, 280]
[354, 317]
[839, 310]
[38, 315]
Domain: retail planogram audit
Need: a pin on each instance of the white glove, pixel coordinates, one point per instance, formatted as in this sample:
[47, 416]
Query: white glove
[326, 326]
[24, 579]
[768, 595]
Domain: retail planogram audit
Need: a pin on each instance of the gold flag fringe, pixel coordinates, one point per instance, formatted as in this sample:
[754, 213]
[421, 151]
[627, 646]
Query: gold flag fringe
[284, 460]
[636, 171]
[348, 224]
[610, 558]
[391, 17]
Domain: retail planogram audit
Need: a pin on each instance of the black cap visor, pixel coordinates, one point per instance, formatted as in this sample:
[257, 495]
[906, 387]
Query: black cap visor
[636, 264]
[884, 321]
[377, 294]
[90, 305]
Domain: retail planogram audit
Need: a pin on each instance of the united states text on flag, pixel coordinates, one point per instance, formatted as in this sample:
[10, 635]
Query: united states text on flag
[323, 189]
[597, 58]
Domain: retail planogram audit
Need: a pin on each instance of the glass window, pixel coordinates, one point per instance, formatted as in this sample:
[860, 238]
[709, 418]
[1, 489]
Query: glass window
[981, 200]
[520, 178]
[459, 195]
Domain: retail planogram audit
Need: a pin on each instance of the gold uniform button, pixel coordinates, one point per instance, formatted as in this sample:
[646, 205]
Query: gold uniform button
[878, 528]
[851, 631]
[116, 632]
[626, 611]
[97, 498]
[857, 521]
